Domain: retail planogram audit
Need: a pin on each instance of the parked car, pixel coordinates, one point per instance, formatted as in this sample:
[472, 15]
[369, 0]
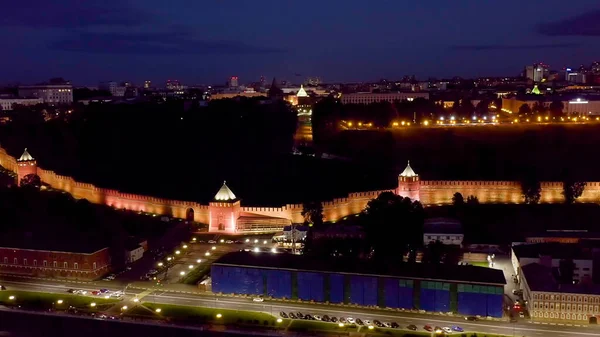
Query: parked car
[368, 322]
[350, 320]
[283, 315]
[318, 318]
[470, 318]
[326, 318]
[212, 241]
[71, 291]
[378, 323]
[258, 299]
[299, 315]
[428, 328]
[359, 321]
[394, 325]
[96, 293]
[229, 241]
[2, 287]
[104, 290]
[334, 319]
[386, 324]
[447, 329]
[412, 327]
[522, 314]
[292, 315]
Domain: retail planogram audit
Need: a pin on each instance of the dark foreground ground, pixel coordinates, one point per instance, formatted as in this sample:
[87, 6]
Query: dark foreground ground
[18, 324]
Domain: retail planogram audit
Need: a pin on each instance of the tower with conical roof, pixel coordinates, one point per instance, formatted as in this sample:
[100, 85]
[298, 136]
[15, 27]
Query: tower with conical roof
[224, 211]
[408, 183]
[26, 165]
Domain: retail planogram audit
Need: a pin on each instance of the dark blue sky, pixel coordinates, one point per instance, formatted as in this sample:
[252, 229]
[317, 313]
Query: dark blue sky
[351, 40]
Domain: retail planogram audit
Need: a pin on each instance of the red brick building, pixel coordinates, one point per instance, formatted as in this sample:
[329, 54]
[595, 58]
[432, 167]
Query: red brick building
[55, 264]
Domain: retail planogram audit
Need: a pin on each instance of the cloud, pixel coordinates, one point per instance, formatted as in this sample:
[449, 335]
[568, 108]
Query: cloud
[73, 14]
[514, 47]
[586, 24]
[154, 43]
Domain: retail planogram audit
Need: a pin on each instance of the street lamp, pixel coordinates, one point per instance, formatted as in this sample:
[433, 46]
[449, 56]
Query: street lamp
[207, 254]
[371, 327]
[11, 297]
[222, 240]
[177, 252]
[182, 273]
[213, 248]
[158, 310]
[184, 246]
[198, 261]
[93, 304]
[191, 266]
[279, 320]
[219, 315]
[160, 264]
[124, 308]
[59, 302]
[341, 325]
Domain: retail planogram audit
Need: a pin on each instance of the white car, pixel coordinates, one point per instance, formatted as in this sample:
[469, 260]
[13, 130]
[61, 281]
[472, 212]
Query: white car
[367, 322]
[386, 324]
[212, 241]
[258, 299]
[350, 320]
[447, 329]
[318, 318]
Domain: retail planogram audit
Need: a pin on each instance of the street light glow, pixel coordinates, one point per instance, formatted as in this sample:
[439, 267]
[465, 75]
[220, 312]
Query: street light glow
[214, 247]
[207, 254]
[158, 310]
[198, 261]
[169, 258]
[136, 300]
[371, 327]
[106, 296]
[219, 315]
[11, 297]
[273, 250]
[124, 307]
[59, 302]
[182, 273]
[177, 252]
[222, 241]
[341, 325]
[279, 320]
[184, 246]
[93, 304]
[247, 240]
[256, 250]
[160, 264]
[191, 266]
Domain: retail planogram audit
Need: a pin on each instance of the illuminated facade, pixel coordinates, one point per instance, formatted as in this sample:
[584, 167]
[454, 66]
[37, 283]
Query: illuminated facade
[226, 214]
[49, 93]
[367, 98]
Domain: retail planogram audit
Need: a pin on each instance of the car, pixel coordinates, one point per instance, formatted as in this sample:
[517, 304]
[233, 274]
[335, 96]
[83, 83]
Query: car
[343, 320]
[212, 241]
[300, 315]
[378, 323]
[258, 299]
[412, 327]
[438, 329]
[368, 322]
[359, 321]
[318, 318]
[71, 291]
[386, 324]
[309, 317]
[104, 290]
[229, 241]
[239, 242]
[96, 293]
[522, 314]
[470, 318]
[350, 320]
[394, 325]
[428, 328]
[334, 319]
[457, 328]
[447, 329]
[283, 315]
[326, 318]
[2, 287]
[517, 291]
[292, 315]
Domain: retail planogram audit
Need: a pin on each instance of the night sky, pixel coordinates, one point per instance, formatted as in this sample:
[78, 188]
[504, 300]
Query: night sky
[197, 42]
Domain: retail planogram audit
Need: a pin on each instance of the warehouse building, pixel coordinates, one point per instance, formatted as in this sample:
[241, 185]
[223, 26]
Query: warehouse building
[467, 290]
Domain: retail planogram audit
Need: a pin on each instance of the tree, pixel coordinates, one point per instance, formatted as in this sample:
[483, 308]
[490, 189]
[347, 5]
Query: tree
[556, 108]
[539, 107]
[313, 213]
[566, 269]
[524, 109]
[531, 190]
[482, 107]
[387, 211]
[457, 199]
[31, 180]
[472, 200]
[434, 252]
[572, 190]
[467, 107]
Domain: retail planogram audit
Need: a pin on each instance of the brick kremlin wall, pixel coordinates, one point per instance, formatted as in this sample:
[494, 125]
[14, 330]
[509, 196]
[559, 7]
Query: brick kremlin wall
[432, 192]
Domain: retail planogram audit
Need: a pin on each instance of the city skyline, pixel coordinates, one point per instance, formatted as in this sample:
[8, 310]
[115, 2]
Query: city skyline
[207, 43]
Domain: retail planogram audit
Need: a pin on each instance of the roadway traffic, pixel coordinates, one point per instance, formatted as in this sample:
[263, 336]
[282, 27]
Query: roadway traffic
[275, 307]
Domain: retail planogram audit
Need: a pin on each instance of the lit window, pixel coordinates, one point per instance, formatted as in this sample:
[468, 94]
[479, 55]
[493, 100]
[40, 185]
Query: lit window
[75, 266]
[94, 265]
[35, 263]
[25, 262]
[55, 264]
[65, 265]
[45, 263]
[15, 261]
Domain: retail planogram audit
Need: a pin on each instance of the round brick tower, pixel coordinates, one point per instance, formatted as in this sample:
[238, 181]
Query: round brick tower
[408, 183]
[26, 164]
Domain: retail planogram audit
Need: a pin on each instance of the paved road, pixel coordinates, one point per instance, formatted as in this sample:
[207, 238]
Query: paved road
[402, 318]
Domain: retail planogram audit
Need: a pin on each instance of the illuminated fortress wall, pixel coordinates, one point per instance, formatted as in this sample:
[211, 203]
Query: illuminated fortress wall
[429, 192]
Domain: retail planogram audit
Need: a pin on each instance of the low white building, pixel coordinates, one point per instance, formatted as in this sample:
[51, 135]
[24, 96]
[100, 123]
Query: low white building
[7, 104]
[49, 93]
[368, 97]
[133, 253]
[447, 231]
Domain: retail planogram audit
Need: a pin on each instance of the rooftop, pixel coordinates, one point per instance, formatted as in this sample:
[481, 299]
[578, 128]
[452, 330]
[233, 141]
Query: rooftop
[542, 278]
[408, 171]
[42, 242]
[25, 156]
[554, 249]
[452, 273]
[442, 226]
[225, 194]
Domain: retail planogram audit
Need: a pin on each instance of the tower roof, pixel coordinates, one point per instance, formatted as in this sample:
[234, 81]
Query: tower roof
[408, 171]
[25, 156]
[225, 193]
[301, 92]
